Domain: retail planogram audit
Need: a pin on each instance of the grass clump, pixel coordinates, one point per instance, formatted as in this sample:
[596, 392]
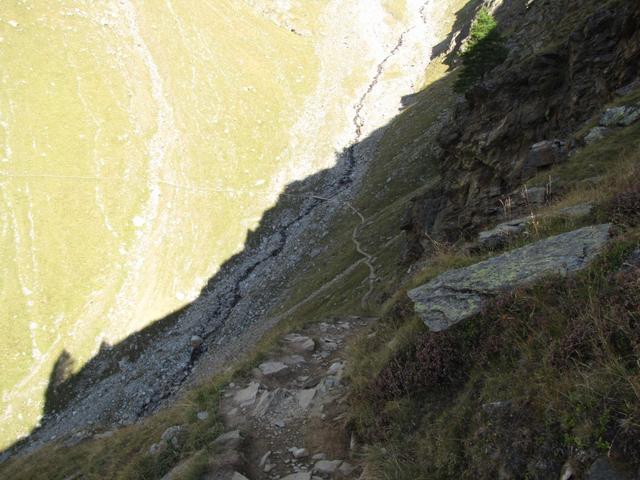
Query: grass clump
[485, 50]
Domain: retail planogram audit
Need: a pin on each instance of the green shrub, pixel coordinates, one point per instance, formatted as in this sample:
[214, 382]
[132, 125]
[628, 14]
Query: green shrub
[484, 51]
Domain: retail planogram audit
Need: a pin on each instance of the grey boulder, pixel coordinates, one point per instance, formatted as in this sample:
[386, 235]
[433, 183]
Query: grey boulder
[620, 116]
[595, 135]
[458, 294]
[543, 154]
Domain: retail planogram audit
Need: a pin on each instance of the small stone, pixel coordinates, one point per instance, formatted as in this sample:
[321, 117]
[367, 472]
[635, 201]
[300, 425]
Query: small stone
[346, 469]
[202, 416]
[238, 476]
[319, 456]
[300, 343]
[298, 476]
[230, 440]
[272, 368]
[595, 135]
[326, 467]
[335, 368]
[330, 382]
[172, 435]
[328, 345]
[263, 460]
[279, 423]
[305, 397]
[247, 396]
[196, 341]
[293, 360]
[299, 453]
[500, 234]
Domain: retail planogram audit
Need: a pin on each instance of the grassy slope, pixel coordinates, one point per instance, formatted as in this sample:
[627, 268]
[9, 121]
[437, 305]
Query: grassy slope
[564, 353]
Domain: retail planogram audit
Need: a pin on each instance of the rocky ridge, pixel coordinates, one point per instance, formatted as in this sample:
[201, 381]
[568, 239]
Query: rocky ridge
[522, 119]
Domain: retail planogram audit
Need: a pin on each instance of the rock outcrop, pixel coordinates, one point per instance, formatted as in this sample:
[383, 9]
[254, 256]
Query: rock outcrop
[520, 120]
[458, 294]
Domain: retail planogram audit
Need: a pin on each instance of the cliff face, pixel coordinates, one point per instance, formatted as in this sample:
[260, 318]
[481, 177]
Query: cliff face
[566, 60]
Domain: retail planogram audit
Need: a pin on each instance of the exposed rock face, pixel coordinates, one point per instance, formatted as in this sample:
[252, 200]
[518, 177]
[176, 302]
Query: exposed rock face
[507, 128]
[458, 294]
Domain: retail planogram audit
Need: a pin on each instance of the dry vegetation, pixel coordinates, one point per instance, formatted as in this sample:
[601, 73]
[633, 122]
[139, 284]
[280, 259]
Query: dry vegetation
[561, 358]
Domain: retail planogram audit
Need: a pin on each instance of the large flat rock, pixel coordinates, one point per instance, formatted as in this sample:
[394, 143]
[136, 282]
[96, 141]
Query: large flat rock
[461, 293]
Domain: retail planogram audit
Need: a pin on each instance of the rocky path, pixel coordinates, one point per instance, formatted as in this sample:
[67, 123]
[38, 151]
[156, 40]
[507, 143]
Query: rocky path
[287, 419]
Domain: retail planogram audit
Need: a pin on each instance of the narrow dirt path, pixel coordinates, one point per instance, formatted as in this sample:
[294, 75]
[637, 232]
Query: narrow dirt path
[367, 258]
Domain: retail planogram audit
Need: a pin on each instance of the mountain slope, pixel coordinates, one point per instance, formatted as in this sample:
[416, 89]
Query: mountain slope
[540, 384]
[143, 142]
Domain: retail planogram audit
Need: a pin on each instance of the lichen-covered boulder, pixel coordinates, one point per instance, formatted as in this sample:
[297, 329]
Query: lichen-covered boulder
[461, 293]
[620, 116]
